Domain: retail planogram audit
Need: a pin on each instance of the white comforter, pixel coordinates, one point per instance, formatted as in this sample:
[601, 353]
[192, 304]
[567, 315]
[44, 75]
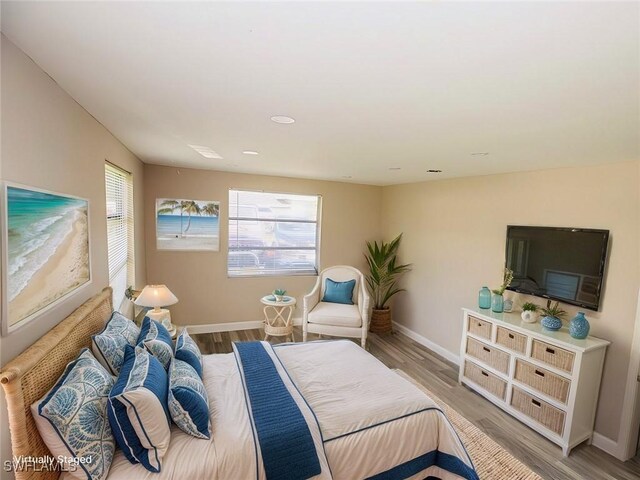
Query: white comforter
[371, 419]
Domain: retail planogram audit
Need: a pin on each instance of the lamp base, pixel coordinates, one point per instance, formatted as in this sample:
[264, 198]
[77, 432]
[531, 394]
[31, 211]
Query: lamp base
[164, 317]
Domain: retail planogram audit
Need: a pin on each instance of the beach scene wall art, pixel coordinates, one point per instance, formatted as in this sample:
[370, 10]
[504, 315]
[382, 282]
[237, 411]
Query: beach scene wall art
[47, 251]
[187, 224]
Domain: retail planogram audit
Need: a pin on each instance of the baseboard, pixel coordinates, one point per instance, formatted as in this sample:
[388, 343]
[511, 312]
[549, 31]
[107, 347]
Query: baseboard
[443, 352]
[606, 444]
[231, 326]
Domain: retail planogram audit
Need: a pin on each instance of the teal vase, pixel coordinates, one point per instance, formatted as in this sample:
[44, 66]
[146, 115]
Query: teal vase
[579, 326]
[497, 303]
[484, 298]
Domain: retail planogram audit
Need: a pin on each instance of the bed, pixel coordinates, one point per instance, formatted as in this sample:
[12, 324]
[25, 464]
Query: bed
[365, 421]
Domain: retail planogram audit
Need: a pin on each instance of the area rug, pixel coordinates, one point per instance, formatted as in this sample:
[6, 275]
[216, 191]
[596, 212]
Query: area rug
[490, 459]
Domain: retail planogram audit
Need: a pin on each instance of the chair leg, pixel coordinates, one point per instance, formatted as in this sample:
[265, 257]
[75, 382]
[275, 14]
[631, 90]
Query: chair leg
[363, 343]
[304, 335]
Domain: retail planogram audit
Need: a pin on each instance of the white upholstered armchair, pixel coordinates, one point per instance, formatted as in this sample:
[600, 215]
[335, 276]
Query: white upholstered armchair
[337, 319]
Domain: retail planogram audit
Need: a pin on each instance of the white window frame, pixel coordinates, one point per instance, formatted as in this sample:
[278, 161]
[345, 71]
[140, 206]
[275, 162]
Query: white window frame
[122, 275]
[276, 273]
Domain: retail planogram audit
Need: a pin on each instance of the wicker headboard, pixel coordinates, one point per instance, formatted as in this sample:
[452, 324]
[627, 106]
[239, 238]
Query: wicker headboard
[30, 375]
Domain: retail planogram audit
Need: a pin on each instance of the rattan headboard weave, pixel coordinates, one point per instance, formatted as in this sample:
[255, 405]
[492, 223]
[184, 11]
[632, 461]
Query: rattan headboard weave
[30, 375]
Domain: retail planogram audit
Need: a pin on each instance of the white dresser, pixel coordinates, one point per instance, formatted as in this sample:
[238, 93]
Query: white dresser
[547, 380]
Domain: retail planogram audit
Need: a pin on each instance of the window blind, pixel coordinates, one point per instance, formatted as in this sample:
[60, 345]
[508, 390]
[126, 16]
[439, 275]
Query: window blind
[119, 200]
[273, 233]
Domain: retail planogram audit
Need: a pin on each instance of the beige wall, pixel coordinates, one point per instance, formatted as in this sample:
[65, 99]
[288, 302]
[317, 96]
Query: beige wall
[51, 142]
[350, 216]
[454, 233]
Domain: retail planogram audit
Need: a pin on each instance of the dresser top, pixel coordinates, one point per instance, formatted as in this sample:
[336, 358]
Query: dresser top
[560, 337]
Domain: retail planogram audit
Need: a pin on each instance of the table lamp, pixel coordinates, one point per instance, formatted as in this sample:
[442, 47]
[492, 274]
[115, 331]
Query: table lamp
[157, 296]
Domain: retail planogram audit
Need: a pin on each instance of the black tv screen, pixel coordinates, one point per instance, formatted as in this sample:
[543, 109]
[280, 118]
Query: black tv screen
[565, 264]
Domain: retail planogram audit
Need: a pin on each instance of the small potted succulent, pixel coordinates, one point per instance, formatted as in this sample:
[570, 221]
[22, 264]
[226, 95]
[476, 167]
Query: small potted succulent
[552, 316]
[529, 312]
[279, 293]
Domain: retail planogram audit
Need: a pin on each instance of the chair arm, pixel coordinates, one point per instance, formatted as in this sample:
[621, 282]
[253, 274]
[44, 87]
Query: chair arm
[364, 306]
[311, 299]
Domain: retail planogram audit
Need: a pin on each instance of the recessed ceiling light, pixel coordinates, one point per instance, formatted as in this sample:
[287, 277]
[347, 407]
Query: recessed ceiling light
[479, 154]
[282, 119]
[206, 152]
[395, 168]
[434, 171]
[250, 152]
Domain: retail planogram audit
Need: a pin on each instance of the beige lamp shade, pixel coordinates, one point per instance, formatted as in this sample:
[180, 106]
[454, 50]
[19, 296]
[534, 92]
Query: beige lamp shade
[156, 296]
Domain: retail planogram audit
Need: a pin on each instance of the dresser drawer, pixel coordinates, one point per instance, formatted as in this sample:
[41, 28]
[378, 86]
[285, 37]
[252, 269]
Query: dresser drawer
[493, 357]
[542, 380]
[486, 380]
[538, 410]
[511, 340]
[480, 328]
[552, 355]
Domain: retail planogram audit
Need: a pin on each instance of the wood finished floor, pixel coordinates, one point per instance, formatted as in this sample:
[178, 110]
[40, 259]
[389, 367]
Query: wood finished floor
[441, 377]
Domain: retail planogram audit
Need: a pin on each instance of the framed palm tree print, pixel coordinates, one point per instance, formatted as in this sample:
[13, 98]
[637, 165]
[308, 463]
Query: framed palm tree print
[187, 225]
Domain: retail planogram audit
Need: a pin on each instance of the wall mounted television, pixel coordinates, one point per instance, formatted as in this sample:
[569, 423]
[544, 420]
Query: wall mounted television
[565, 264]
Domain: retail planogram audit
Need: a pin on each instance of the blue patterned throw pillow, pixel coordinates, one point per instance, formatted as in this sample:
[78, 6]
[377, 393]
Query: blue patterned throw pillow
[188, 401]
[157, 339]
[72, 418]
[108, 345]
[137, 409]
[188, 351]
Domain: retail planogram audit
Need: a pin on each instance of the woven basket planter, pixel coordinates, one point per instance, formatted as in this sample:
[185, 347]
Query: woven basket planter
[380, 321]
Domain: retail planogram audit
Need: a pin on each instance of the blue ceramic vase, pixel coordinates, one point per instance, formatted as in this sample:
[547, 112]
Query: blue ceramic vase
[497, 303]
[579, 326]
[484, 298]
[551, 323]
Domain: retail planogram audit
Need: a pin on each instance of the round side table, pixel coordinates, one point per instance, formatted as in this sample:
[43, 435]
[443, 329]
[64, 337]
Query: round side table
[277, 316]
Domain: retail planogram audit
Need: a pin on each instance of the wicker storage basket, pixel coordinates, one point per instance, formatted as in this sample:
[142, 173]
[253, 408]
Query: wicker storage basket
[552, 355]
[480, 328]
[380, 322]
[493, 357]
[511, 340]
[486, 380]
[539, 410]
[543, 380]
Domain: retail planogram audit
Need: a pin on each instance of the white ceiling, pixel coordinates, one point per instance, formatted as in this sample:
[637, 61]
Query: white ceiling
[371, 85]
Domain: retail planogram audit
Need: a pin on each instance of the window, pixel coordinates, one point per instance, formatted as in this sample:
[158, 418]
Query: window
[119, 188]
[273, 233]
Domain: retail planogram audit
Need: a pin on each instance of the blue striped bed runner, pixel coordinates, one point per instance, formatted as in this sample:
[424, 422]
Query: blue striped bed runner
[285, 441]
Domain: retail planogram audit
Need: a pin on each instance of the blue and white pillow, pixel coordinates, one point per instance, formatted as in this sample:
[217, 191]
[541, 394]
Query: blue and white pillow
[72, 418]
[157, 339]
[137, 409]
[188, 401]
[108, 345]
[188, 351]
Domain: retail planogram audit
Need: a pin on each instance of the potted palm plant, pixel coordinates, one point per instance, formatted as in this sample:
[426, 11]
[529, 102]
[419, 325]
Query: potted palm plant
[382, 281]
